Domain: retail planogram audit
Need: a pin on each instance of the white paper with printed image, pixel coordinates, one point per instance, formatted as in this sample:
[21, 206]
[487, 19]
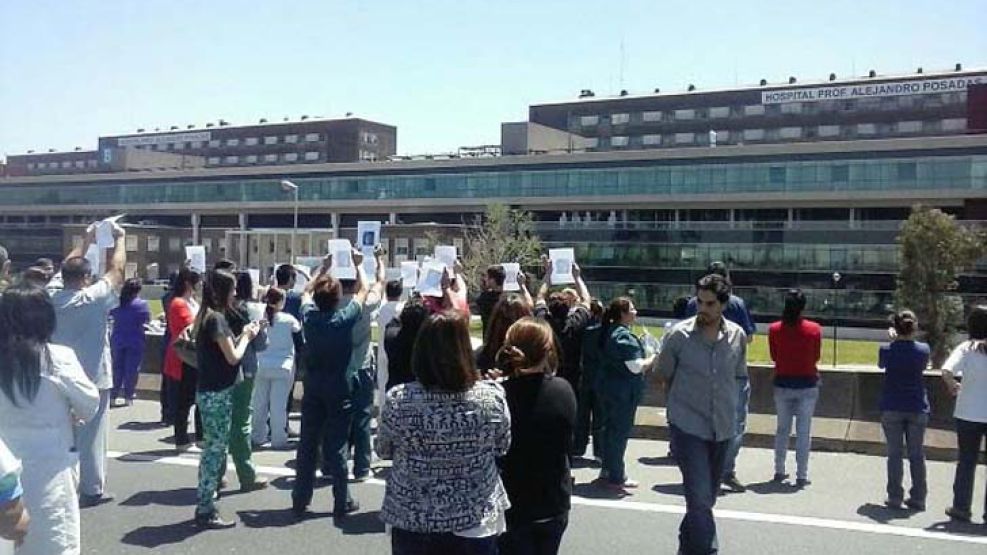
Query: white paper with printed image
[409, 274]
[511, 271]
[562, 261]
[196, 254]
[430, 279]
[446, 254]
[342, 259]
[95, 257]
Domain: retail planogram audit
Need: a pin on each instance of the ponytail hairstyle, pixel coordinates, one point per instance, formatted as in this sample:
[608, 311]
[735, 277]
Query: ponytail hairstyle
[794, 305]
[272, 299]
[27, 322]
[530, 342]
[131, 288]
[618, 307]
[216, 290]
[904, 322]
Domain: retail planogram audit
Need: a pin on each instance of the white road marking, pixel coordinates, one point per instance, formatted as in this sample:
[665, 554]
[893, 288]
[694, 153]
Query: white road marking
[190, 460]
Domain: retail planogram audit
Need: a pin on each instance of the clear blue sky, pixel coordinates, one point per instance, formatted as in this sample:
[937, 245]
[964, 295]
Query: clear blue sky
[445, 72]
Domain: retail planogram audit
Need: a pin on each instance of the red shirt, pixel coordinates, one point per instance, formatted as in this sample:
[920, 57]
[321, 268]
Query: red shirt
[795, 349]
[180, 316]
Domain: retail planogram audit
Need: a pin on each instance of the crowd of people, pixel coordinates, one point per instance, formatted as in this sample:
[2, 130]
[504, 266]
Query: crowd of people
[482, 439]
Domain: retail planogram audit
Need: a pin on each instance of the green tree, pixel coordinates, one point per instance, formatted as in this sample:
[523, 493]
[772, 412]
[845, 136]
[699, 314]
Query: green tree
[934, 250]
[500, 235]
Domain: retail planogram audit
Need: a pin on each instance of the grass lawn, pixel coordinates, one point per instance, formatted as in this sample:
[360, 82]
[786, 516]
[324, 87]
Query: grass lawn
[155, 306]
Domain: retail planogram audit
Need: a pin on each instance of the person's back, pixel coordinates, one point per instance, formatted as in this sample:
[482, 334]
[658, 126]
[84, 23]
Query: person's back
[128, 322]
[904, 363]
[795, 350]
[328, 337]
[280, 352]
[82, 316]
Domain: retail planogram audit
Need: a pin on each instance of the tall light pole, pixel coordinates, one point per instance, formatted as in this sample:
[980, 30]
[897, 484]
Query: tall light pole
[836, 305]
[288, 186]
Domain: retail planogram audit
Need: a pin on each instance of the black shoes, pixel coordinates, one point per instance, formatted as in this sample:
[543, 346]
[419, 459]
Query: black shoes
[259, 483]
[213, 521]
[959, 514]
[351, 507]
[86, 501]
[733, 484]
[802, 483]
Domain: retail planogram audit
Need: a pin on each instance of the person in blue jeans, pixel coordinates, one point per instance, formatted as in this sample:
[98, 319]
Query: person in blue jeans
[701, 358]
[735, 311]
[905, 409]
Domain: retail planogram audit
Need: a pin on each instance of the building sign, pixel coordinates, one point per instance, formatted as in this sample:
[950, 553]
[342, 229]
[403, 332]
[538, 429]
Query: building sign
[201, 136]
[878, 90]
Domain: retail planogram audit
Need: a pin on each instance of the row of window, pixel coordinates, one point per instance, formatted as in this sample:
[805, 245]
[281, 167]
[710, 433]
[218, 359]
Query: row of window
[750, 110]
[310, 156]
[65, 165]
[863, 130]
[236, 141]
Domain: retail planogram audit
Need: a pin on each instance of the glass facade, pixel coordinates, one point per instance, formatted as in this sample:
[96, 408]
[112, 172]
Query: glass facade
[656, 178]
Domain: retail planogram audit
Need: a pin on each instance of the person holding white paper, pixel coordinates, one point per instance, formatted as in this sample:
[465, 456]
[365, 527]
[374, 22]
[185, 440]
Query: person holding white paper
[388, 312]
[493, 287]
[82, 311]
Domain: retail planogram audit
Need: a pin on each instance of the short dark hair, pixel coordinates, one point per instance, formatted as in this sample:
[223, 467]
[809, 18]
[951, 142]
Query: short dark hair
[976, 323]
[44, 262]
[718, 268]
[348, 285]
[794, 305]
[394, 288]
[284, 275]
[680, 308]
[716, 284]
[497, 273]
[326, 293]
[558, 306]
[443, 357]
[904, 322]
[225, 264]
[76, 269]
[130, 290]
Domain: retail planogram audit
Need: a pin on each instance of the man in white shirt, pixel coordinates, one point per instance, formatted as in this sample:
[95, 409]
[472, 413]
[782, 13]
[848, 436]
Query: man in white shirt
[82, 311]
[388, 311]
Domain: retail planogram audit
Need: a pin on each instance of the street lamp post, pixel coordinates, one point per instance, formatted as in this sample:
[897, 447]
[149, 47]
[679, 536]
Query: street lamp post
[288, 186]
[836, 313]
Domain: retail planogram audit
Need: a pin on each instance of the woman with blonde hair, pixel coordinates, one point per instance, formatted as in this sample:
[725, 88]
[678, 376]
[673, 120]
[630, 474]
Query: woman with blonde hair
[535, 469]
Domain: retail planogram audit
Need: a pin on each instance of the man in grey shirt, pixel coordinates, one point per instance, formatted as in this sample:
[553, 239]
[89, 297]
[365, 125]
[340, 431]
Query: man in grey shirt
[82, 311]
[701, 358]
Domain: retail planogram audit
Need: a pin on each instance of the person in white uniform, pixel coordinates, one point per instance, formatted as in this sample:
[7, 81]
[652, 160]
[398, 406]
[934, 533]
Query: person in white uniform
[43, 390]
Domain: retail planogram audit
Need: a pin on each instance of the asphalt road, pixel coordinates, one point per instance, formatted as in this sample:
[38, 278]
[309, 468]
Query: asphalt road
[841, 511]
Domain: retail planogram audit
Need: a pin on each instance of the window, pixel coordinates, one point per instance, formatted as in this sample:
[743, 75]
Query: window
[589, 121]
[312, 138]
[907, 171]
[196, 144]
[232, 142]
[270, 140]
[401, 246]
[790, 132]
[931, 126]
[866, 129]
[270, 157]
[685, 138]
[311, 155]
[251, 141]
[80, 164]
[174, 244]
[214, 143]
[591, 142]
[291, 139]
[161, 146]
[618, 140]
[92, 163]
[651, 116]
[955, 124]
[753, 134]
[777, 174]
[685, 114]
[207, 243]
[67, 164]
[791, 108]
[369, 138]
[251, 158]
[909, 126]
[179, 146]
[212, 160]
[30, 165]
[829, 130]
[291, 157]
[153, 243]
[839, 173]
[131, 243]
[754, 110]
[232, 160]
[719, 112]
[620, 119]
[651, 140]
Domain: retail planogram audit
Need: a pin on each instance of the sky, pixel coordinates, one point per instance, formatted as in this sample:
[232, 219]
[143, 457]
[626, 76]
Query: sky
[446, 73]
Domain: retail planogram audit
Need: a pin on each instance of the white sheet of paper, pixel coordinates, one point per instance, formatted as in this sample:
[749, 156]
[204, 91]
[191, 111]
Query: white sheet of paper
[256, 311]
[392, 274]
[409, 274]
[562, 260]
[369, 263]
[342, 259]
[511, 269]
[254, 275]
[95, 257]
[104, 234]
[302, 277]
[430, 282]
[197, 254]
[310, 262]
[367, 235]
[447, 254]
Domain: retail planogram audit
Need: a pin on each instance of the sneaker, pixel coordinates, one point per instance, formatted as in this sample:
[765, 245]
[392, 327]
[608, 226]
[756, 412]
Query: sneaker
[915, 505]
[259, 483]
[779, 477]
[183, 448]
[895, 504]
[958, 514]
[733, 484]
[361, 477]
[631, 484]
[213, 521]
[802, 483]
[86, 501]
[351, 507]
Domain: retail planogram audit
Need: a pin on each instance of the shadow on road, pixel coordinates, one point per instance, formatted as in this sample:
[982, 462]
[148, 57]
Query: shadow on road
[181, 497]
[157, 536]
[669, 489]
[147, 456]
[657, 461]
[276, 518]
[883, 513]
[962, 528]
[135, 426]
[359, 524]
[772, 488]
[594, 490]
[582, 462]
